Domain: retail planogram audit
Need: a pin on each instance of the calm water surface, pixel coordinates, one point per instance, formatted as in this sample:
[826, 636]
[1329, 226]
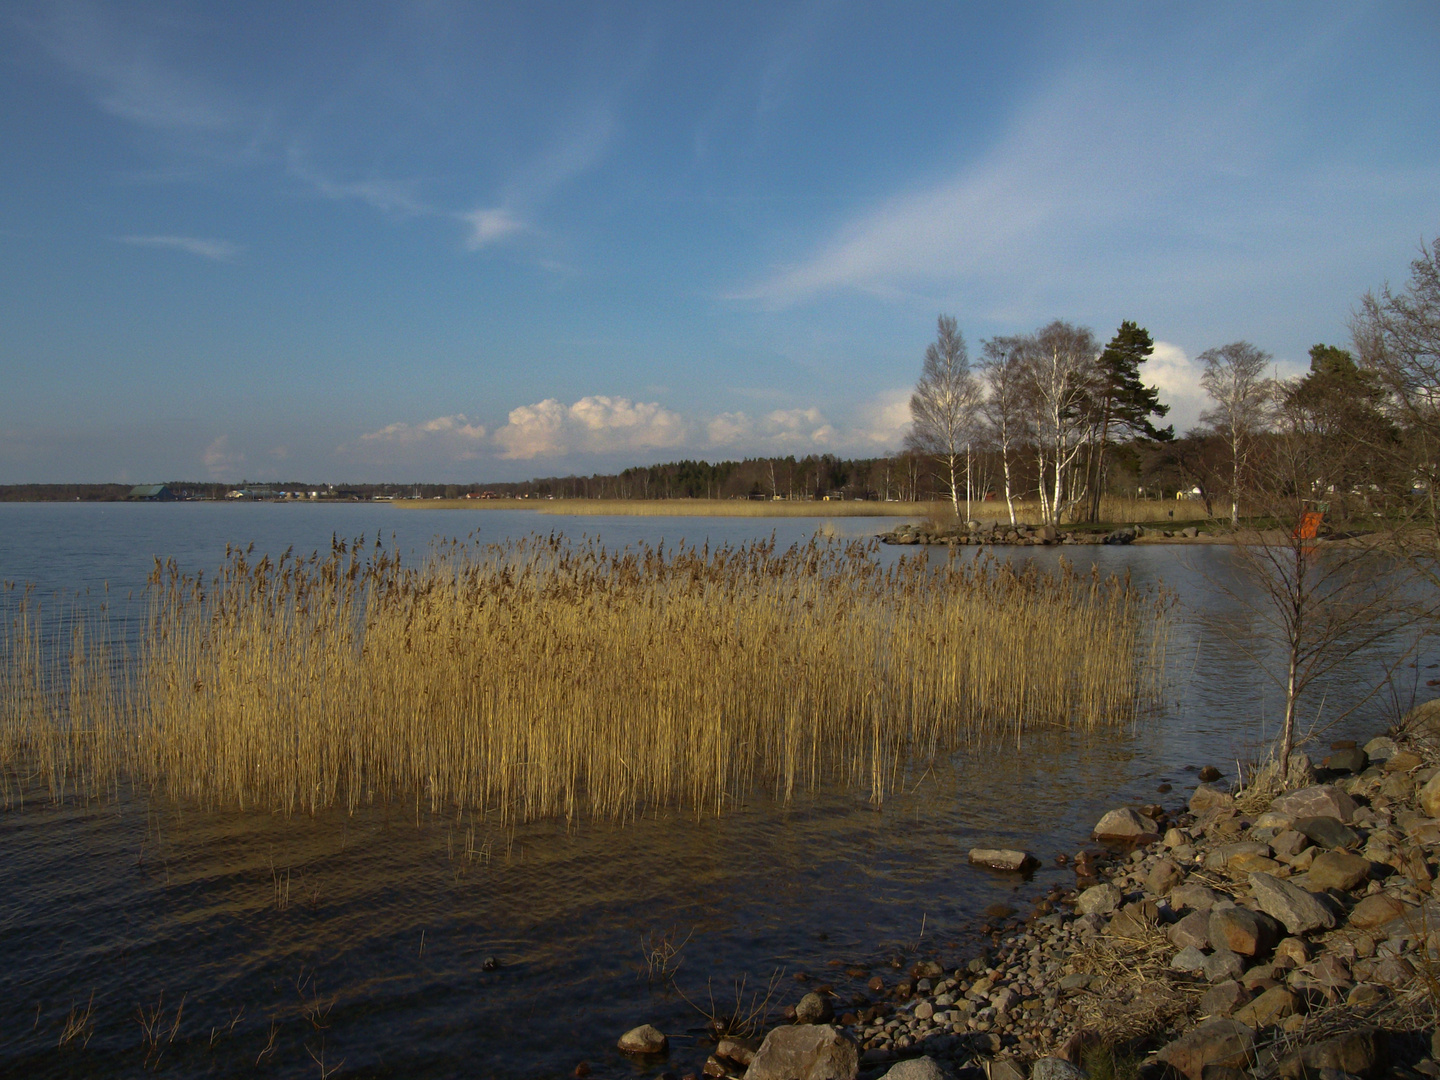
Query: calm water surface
[362, 939]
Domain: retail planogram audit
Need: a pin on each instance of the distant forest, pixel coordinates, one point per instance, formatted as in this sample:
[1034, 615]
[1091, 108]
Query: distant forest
[1158, 469]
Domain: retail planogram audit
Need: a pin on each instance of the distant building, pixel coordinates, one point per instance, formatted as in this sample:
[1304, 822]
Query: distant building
[151, 493]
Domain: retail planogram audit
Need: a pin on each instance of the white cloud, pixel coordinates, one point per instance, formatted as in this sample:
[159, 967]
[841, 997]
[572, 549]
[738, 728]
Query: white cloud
[456, 434]
[490, 225]
[220, 460]
[783, 431]
[1177, 376]
[387, 196]
[219, 250]
[595, 424]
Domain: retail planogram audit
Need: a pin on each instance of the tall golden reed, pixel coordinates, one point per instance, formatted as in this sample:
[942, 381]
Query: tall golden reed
[544, 678]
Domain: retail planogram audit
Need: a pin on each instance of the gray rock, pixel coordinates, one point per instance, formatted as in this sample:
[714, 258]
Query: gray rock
[1300, 773]
[1193, 896]
[1125, 824]
[1381, 748]
[1192, 931]
[1319, 800]
[1223, 998]
[1328, 832]
[1298, 910]
[1163, 877]
[805, 1052]
[922, 1068]
[1078, 981]
[1290, 843]
[1098, 900]
[1054, 1068]
[1002, 859]
[1223, 964]
[1188, 959]
[740, 1051]
[643, 1040]
[814, 1008]
[1220, 1043]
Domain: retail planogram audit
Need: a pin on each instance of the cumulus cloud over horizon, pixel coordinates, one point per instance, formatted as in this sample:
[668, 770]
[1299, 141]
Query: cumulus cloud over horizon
[594, 424]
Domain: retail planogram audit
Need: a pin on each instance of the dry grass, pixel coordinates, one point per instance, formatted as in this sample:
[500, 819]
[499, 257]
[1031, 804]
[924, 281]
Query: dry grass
[1111, 509]
[544, 679]
[746, 508]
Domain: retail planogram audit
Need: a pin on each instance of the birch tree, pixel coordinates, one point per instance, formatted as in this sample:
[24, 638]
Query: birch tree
[1003, 370]
[1234, 377]
[1061, 373]
[943, 409]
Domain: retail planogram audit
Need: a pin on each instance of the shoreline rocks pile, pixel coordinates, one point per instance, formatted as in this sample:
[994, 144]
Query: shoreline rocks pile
[1001, 534]
[1236, 936]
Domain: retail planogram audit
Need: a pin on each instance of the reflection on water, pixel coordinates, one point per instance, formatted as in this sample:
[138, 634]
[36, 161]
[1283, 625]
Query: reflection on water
[363, 938]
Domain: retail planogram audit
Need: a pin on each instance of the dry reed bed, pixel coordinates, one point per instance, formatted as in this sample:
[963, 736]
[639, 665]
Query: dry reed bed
[543, 678]
[1112, 509]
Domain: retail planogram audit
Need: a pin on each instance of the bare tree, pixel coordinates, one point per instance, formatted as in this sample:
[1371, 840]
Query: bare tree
[1324, 600]
[1234, 377]
[1061, 372]
[1004, 372]
[943, 409]
[1397, 336]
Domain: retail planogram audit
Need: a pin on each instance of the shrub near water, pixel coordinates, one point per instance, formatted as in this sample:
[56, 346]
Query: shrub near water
[544, 678]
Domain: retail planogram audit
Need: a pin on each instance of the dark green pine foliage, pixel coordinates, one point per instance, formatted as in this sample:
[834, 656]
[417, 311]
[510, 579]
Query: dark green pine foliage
[1131, 403]
[1123, 405]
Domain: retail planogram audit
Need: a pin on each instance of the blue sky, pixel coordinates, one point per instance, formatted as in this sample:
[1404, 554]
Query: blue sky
[462, 242]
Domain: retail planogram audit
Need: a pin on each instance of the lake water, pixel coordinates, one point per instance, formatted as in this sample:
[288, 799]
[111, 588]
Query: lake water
[373, 954]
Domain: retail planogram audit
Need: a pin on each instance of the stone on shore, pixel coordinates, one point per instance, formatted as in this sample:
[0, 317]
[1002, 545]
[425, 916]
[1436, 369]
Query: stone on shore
[1338, 870]
[1328, 832]
[1220, 1043]
[1002, 858]
[1350, 761]
[1192, 931]
[1098, 900]
[1189, 959]
[1376, 910]
[1238, 929]
[1272, 1006]
[1055, 1068]
[1126, 824]
[644, 1039]
[1358, 1053]
[921, 1068]
[1319, 800]
[814, 1008]
[805, 1052]
[1207, 797]
[1430, 796]
[1298, 910]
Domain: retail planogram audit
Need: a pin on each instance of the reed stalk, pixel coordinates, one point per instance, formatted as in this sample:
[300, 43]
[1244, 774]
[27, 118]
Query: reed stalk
[549, 679]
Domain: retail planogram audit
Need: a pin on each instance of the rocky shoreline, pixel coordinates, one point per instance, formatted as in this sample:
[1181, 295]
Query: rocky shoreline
[1000, 534]
[1271, 931]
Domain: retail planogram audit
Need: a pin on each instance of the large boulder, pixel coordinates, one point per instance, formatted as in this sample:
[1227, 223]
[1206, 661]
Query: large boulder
[1376, 910]
[1299, 910]
[1274, 1005]
[1220, 1043]
[805, 1052]
[1328, 832]
[643, 1040]
[1055, 1068]
[1318, 800]
[1423, 719]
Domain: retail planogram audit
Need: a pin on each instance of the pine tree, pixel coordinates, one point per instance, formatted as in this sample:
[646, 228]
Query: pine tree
[1123, 404]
